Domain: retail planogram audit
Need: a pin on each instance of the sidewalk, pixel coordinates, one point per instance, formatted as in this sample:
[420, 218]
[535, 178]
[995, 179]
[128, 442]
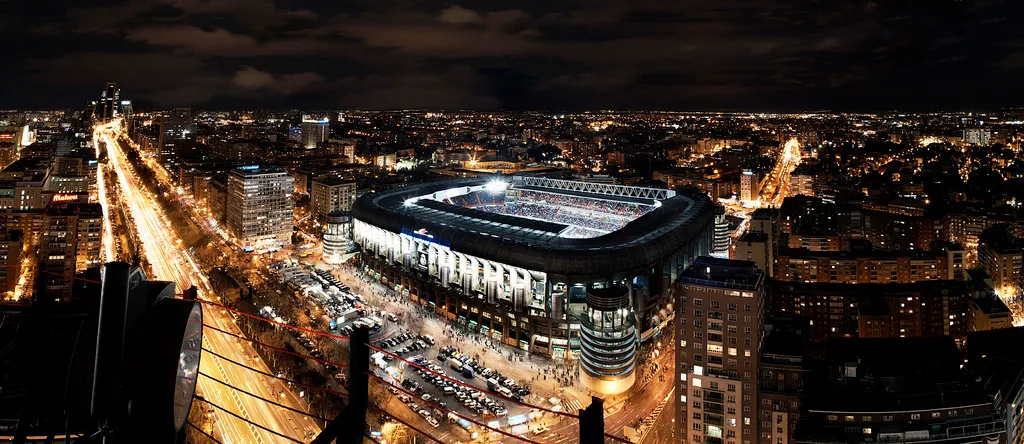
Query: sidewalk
[545, 377]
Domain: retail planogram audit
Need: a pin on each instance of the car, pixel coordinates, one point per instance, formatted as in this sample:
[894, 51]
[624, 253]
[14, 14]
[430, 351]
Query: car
[413, 406]
[442, 404]
[424, 413]
[407, 383]
[433, 422]
[517, 398]
[393, 390]
[404, 398]
[523, 391]
[426, 397]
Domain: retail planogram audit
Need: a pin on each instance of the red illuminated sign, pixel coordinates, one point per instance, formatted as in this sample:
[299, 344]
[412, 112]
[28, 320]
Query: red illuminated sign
[65, 197]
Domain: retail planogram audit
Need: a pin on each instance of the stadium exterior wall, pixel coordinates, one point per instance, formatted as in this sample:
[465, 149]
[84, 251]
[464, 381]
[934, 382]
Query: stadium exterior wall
[530, 296]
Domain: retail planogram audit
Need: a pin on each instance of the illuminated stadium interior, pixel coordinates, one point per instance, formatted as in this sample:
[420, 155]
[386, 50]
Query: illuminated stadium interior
[583, 217]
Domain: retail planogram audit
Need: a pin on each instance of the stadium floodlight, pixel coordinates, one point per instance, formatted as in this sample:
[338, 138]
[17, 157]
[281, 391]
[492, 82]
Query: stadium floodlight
[409, 202]
[496, 186]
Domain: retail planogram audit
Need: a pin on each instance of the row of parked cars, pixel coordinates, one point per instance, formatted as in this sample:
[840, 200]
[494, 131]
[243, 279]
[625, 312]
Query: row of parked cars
[432, 419]
[496, 382]
[417, 345]
[473, 400]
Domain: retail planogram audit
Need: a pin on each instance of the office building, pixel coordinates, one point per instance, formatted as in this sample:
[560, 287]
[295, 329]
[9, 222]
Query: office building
[70, 243]
[109, 102]
[719, 325]
[750, 185]
[260, 206]
[314, 131]
[177, 137]
[329, 194]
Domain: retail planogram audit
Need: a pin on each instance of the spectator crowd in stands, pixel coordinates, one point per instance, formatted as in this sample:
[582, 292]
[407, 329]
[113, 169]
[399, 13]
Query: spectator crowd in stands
[586, 217]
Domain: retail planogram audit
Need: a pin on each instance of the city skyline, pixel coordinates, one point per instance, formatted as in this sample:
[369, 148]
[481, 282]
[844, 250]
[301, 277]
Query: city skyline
[656, 54]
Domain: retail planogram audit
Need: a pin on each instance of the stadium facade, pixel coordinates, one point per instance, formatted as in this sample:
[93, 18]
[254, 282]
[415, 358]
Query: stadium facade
[561, 268]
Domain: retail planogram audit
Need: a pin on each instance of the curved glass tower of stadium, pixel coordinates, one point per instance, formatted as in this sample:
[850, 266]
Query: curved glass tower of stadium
[335, 237]
[608, 341]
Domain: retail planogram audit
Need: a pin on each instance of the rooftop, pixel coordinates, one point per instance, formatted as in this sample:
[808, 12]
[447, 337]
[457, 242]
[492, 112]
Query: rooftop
[991, 305]
[255, 170]
[754, 236]
[890, 374]
[727, 273]
[785, 335]
[332, 180]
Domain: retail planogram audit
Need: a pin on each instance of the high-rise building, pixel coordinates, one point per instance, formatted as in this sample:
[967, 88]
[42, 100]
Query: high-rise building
[260, 206]
[314, 131]
[109, 103]
[330, 194]
[71, 242]
[719, 326]
[177, 137]
[750, 185]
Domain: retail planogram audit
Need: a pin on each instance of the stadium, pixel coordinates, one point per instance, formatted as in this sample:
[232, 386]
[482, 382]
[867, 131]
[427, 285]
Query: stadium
[567, 269]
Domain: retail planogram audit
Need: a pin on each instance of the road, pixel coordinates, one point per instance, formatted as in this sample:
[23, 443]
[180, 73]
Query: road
[171, 261]
[776, 184]
[774, 188]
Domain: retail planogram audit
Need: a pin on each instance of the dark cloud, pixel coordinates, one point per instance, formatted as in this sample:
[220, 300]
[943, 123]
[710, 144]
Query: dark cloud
[669, 54]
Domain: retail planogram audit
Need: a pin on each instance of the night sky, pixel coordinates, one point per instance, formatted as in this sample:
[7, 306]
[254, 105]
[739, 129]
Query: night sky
[748, 55]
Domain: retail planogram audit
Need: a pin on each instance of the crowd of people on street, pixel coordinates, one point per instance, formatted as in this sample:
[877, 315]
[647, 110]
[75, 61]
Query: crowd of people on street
[553, 374]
